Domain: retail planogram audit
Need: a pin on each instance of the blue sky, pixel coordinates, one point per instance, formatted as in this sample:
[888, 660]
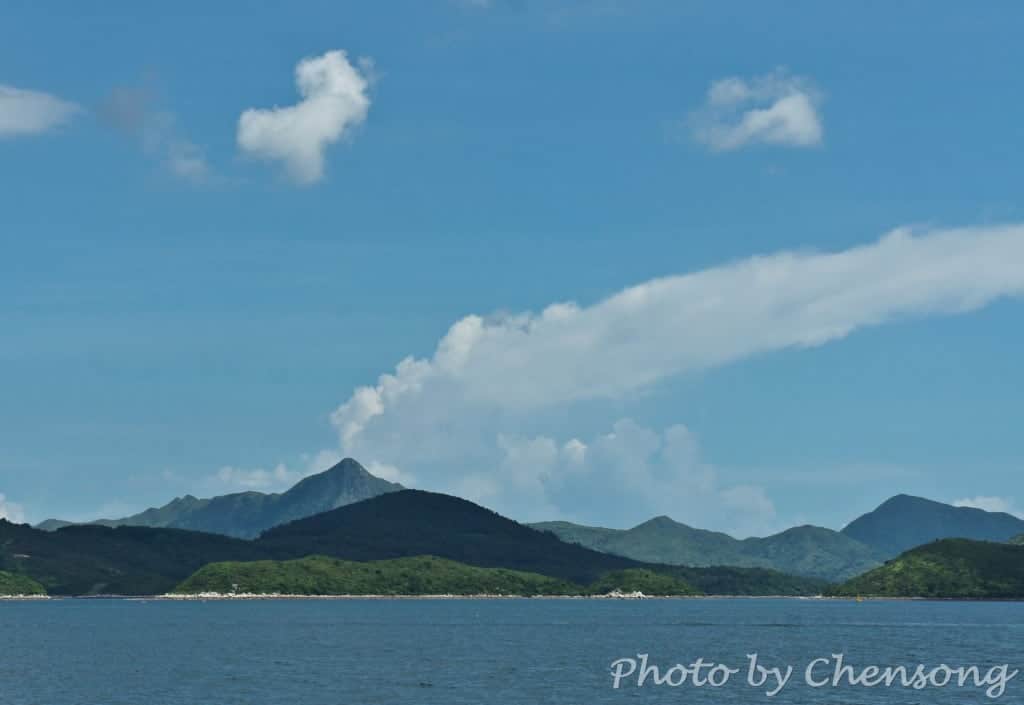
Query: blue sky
[185, 308]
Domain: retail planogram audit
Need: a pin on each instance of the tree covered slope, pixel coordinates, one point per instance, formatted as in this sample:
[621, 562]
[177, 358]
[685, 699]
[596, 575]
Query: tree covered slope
[949, 568]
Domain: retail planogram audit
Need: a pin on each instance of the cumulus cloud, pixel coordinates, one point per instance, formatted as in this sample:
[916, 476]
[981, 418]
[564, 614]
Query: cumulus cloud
[335, 99]
[132, 112]
[470, 418]
[777, 109]
[10, 511]
[990, 504]
[24, 112]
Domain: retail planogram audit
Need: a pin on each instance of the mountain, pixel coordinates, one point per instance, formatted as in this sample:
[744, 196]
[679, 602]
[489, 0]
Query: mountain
[247, 514]
[412, 522]
[805, 550]
[903, 522]
[131, 560]
[415, 523]
[949, 568]
[128, 560]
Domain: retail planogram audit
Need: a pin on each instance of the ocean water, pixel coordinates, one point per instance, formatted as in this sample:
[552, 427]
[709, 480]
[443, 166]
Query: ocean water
[505, 652]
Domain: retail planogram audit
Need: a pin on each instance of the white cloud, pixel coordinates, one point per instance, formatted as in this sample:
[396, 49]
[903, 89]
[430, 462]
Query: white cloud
[470, 419]
[776, 109]
[231, 478]
[334, 100]
[25, 112]
[279, 478]
[10, 511]
[990, 504]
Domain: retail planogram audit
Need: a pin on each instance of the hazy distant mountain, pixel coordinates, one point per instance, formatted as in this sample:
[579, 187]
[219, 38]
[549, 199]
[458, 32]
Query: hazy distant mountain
[805, 550]
[903, 522]
[247, 514]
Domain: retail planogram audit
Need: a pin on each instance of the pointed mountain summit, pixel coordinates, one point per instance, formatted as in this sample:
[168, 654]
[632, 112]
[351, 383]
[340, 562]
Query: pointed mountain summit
[247, 514]
[903, 522]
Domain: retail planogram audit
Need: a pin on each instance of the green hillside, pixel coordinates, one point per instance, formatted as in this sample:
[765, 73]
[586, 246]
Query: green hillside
[806, 550]
[642, 580]
[421, 575]
[415, 523]
[14, 584]
[950, 568]
[130, 560]
[90, 560]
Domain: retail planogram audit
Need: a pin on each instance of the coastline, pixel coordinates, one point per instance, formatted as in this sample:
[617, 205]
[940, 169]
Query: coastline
[263, 597]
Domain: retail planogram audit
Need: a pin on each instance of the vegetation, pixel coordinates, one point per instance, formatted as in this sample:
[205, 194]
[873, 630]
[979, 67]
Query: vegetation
[420, 575]
[247, 514]
[641, 580]
[412, 523]
[89, 560]
[1017, 540]
[904, 522]
[950, 568]
[806, 550]
[14, 584]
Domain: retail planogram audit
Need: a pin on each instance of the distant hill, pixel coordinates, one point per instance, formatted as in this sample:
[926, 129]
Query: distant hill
[84, 560]
[805, 550]
[128, 560]
[412, 523]
[247, 514]
[949, 568]
[14, 584]
[903, 522]
[419, 575]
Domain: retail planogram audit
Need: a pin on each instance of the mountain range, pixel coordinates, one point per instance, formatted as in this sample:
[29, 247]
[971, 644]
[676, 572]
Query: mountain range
[346, 513]
[898, 524]
[133, 560]
[810, 551]
[247, 514]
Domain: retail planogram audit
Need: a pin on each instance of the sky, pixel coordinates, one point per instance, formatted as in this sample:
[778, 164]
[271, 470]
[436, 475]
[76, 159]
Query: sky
[747, 266]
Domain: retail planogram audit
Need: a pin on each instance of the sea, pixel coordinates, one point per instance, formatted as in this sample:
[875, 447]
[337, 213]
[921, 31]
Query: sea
[506, 651]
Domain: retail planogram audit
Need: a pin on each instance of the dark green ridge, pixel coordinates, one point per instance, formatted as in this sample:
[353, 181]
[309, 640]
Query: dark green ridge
[949, 568]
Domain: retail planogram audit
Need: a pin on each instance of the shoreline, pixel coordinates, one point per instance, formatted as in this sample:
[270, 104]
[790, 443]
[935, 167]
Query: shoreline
[250, 597]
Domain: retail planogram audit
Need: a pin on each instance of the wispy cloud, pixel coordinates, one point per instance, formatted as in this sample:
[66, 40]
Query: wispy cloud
[24, 112]
[990, 504]
[132, 111]
[11, 511]
[280, 477]
[776, 109]
[335, 100]
[467, 419]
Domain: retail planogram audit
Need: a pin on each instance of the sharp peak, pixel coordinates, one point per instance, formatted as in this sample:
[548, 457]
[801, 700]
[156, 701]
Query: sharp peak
[343, 465]
[660, 520]
[909, 499]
